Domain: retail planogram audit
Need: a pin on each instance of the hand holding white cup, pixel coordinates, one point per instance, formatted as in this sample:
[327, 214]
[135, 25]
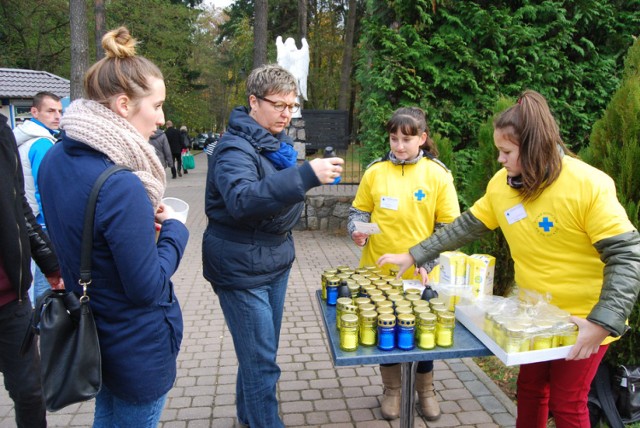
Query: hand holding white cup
[177, 209]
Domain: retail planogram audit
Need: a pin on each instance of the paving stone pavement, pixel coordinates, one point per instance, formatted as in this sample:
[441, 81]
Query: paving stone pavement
[311, 391]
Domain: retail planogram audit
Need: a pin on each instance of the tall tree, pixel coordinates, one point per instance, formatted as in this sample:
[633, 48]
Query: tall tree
[166, 38]
[344, 96]
[79, 45]
[100, 27]
[35, 35]
[302, 19]
[260, 33]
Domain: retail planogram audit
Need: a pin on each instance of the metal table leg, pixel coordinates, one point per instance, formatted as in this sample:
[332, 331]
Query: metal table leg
[407, 400]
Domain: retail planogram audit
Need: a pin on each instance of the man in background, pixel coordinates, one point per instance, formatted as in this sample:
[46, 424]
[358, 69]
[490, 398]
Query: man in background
[21, 237]
[34, 138]
[175, 143]
[161, 145]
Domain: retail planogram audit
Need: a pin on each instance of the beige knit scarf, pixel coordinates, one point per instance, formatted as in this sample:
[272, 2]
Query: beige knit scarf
[103, 130]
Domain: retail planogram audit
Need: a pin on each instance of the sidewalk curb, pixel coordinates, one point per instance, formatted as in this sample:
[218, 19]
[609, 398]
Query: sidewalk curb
[491, 386]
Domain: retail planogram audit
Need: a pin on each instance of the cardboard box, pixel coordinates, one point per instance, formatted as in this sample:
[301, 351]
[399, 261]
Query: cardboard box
[480, 273]
[472, 317]
[453, 268]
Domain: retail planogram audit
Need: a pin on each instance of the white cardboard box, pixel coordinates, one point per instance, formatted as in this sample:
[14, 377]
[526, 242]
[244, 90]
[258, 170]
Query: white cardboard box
[472, 317]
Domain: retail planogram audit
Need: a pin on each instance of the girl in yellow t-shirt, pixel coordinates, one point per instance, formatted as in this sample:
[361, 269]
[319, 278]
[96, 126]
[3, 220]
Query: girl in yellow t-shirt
[408, 193]
[569, 237]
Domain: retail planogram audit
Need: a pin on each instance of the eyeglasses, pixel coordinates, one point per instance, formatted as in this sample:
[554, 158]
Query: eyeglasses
[280, 106]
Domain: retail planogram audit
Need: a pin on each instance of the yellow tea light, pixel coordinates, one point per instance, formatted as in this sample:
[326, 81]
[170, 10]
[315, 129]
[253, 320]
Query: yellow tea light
[426, 331]
[366, 307]
[418, 303]
[379, 283]
[397, 284]
[376, 299]
[375, 292]
[362, 300]
[385, 310]
[384, 303]
[368, 328]
[445, 325]
[568, 334]
[413, 298]
[349, 332]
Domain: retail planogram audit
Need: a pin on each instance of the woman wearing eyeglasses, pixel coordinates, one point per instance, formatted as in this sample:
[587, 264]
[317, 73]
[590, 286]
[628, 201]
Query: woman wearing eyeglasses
[254, 196]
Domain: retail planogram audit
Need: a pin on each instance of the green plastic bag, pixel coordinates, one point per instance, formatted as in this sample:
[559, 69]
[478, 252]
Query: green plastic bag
[187, 160]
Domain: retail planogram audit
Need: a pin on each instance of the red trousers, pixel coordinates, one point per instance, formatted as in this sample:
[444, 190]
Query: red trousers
[559, 386]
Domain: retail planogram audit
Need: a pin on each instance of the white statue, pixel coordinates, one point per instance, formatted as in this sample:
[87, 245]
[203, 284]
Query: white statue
[296, 61]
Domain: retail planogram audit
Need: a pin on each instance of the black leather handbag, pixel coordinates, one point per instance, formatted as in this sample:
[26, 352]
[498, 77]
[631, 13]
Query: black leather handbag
[71, 369]
[627, 384]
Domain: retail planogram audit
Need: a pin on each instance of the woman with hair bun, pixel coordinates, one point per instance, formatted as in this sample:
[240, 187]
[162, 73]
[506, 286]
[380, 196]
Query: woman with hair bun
[137, 314]
[570, 239]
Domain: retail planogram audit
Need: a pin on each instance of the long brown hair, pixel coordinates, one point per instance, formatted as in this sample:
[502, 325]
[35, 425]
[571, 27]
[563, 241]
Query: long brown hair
[412, 121]
[531, 125]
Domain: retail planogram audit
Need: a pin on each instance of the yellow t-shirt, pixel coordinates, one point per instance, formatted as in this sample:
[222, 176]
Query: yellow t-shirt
[406, 201]
[551, 238]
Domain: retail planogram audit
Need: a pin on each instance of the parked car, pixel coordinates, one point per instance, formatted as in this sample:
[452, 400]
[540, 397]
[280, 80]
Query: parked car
[202, 140]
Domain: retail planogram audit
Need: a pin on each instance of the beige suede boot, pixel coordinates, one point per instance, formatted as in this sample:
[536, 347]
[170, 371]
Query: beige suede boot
[428, 403]
[391, 401]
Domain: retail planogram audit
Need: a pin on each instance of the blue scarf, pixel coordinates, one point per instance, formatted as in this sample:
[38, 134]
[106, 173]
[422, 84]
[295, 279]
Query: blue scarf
[285, 157]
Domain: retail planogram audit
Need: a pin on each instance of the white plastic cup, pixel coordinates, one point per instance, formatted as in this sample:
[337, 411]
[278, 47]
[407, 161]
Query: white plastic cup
[180, 207]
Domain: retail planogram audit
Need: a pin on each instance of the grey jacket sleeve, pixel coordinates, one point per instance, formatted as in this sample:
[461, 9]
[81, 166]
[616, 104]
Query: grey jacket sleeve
[356, 215]
[166, 151]
[461, 231]
[621, 257]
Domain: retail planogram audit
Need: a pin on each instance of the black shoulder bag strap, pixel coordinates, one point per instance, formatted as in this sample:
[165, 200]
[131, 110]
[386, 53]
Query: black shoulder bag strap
[605, 396]
[87, 231]
[85, 255]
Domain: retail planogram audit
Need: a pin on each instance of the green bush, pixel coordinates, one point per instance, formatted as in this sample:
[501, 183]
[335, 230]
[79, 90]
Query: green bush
[615, 148]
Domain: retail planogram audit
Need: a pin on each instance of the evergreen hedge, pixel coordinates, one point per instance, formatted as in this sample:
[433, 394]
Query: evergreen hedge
[615, 149]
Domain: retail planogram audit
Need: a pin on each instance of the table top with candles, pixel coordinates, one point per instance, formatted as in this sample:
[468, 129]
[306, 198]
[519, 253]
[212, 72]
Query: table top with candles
[465, 344]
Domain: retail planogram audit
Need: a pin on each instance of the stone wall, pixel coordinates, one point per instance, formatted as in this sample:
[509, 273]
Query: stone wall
[297, 133]
[325, 212]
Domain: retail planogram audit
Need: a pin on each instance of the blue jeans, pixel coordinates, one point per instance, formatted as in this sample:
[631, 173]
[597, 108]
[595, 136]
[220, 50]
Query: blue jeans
[40, 284]
[254, 317]
[21, 373]
[112, 412]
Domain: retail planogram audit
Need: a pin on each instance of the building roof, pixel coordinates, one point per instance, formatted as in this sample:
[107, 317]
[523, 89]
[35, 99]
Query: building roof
[19, 83]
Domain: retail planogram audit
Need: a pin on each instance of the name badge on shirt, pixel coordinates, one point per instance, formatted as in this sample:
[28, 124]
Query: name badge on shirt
[389, 203]
[515, 214]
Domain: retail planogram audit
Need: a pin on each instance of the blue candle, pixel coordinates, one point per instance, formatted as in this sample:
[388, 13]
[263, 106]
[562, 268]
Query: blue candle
[406, 331]
[332, 292]
[386, 332]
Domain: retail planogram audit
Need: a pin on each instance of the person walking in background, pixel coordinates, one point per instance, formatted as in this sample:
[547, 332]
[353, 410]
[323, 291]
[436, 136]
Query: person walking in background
[254, 196]
[408, 193]
[21, 238]
[137, 314]
[186, 144]
[570, 239]
[175, 144]
[161, 145]
[34, 138]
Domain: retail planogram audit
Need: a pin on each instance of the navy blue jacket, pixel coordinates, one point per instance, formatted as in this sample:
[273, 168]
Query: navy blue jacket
[136, 311]
[251, 207]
